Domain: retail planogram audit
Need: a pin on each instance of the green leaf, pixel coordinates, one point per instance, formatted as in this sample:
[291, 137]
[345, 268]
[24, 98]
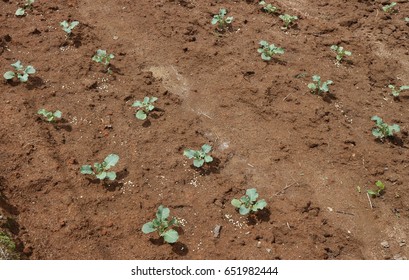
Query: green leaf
[9, 75]
[404, 88]
[215, 19]
[170, 236]
[312, 86]
[206, 148]
[140, 115]
[265, 57]
[162, 213]
[86, 169]
[198, 162]
[57, 114]
[30, 70]
[23, 78]
[316, 78]
[137, 104]
[111, 175]
[111, 160]
[377, 119]
[334, 47]
[259, 205]
[148, 228]
[18, 66]
[252, 194]
[380, 185]
[395, 128]
[151, 107]
[208, 159]
[324, 87]
[20, 12]
[243, 210]
[101, 175]
[236, 203]
[371, 192]
[377, 133]
[189, 153]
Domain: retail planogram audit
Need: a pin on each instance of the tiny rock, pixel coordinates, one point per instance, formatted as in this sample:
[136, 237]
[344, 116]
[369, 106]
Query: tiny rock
[259, 244]
[216, 231]
[268, 250]
[398, 257]
[402, 243]
[385, 244]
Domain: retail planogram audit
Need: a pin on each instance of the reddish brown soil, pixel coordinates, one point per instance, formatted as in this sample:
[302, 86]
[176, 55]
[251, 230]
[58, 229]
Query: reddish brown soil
[305, 154]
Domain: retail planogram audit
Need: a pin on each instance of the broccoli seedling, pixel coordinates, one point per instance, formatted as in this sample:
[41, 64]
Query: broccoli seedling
[144, 107]
[21, 73]
[341, 52]
[268, 8]
[68, 27]
[222, 22]
[50, 116]
[380, 189]
[199, 157]
[100, 170]
[162, 225]
[396, 91]
[268, 51]
[383, 130]
[390, 8]
[318, 87]
[249, 203]
[27, 5]
[102, 57]
[288, 20]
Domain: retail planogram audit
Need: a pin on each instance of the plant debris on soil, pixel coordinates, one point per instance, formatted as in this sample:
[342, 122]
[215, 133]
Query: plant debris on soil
[312, 157]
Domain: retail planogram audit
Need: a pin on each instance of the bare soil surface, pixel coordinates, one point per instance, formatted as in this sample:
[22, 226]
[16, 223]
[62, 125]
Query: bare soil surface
[307, 155]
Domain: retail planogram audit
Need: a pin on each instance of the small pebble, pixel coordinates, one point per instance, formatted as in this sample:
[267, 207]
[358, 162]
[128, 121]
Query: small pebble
[385, 244]
[402, 243]
[259, 244]
[216, 231]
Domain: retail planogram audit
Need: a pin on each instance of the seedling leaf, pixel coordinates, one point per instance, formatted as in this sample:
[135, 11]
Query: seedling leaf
[170, 236]
[148, 228]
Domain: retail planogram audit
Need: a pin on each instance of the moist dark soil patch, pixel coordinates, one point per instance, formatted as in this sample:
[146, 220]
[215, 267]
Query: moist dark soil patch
[306, 154]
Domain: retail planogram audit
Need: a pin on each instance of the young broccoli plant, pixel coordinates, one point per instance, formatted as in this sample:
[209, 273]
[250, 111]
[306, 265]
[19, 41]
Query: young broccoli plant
[341, 52]
[268, 51]
[27, 5]
[104, 58]
[380, 189]
[144, 107]
[390, 8]
[100, 170]
[222, 22]
[383, 130]
[396, 91]
[319, 87]
[162, 225]
[50, 116]
[199, 157]
[68, 27]
[268, 8]
[249, 203]
[20, 72]
[288, 20]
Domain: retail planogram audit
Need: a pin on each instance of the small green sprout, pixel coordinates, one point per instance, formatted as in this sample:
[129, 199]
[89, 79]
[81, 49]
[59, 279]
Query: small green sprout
[102, 57]
[100, 170]
[382, 129]
[380, 189]
[199, 157]
[396, 91]
[50, 116]
[249, 203]
[267, 51]
[318, 87]
[268, 8]
[162, 225]
[389, 8]
[68, 27]
[27, 5]
[20, 72]
[221, 21]
[341, 52]
[288, 20]
[144, 107]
